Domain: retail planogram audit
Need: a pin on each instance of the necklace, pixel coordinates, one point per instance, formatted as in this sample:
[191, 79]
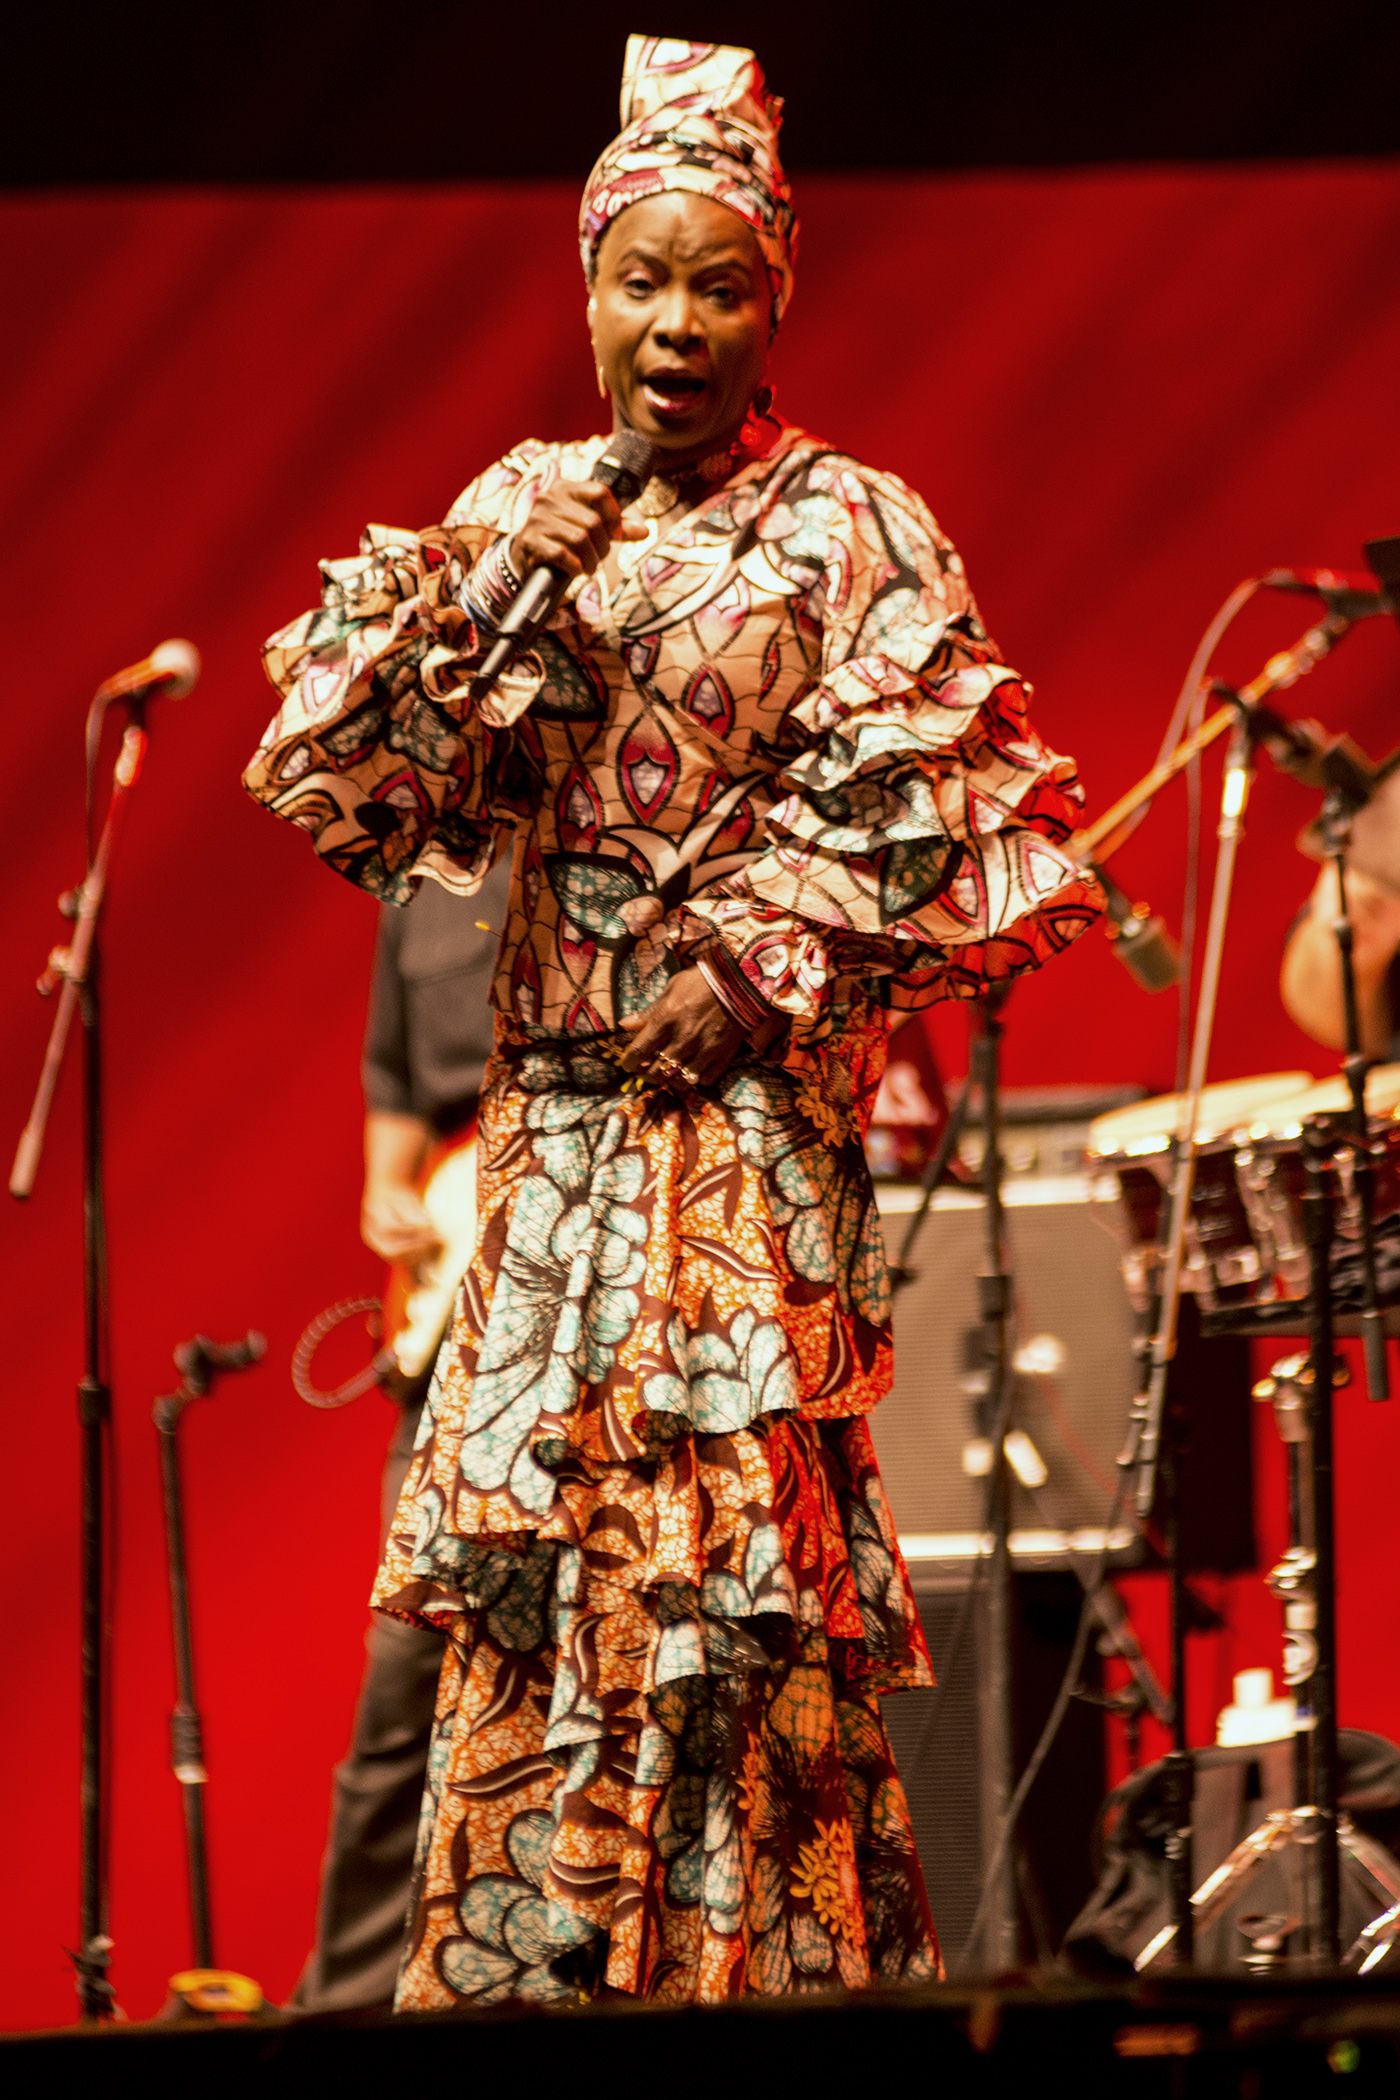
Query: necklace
[662, 493]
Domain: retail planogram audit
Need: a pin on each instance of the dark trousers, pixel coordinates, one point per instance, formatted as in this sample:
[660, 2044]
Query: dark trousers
[377, 1794]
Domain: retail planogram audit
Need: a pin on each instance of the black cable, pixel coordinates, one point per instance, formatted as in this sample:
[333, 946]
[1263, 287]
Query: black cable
[1190, 895]
[901, 1273]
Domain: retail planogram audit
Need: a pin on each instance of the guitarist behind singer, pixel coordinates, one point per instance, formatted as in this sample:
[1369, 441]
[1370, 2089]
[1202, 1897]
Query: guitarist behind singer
[427, 1039]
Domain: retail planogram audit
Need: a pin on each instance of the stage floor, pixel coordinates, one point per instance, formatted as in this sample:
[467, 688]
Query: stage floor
[1195, 2036]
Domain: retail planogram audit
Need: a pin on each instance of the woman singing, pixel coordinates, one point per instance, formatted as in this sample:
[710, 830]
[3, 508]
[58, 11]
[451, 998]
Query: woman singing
[767, 781]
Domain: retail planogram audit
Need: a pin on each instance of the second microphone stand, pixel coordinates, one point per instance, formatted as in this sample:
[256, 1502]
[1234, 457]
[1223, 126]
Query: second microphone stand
[1347, 787]
[198, 1362]
[74, 972]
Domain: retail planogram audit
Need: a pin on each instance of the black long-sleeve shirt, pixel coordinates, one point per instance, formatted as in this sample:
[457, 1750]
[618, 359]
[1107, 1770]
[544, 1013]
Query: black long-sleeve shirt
[428, 1034]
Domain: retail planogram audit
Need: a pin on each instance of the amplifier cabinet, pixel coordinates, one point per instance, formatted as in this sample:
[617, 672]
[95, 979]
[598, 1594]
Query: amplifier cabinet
[941, 1744]
[1073, 1333]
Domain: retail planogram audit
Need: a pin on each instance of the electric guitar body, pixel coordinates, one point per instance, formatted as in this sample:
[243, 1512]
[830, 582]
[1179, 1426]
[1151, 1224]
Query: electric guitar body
[418, 1302]
[412, 1319]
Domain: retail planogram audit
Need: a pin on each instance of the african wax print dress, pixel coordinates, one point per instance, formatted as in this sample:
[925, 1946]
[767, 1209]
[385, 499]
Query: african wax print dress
[644, 1501]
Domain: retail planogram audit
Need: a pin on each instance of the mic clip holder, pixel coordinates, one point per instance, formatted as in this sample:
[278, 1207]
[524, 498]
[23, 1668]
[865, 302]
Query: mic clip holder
[1335, 766]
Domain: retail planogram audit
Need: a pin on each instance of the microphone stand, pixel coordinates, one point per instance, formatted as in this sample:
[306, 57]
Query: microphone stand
[1250, 722]
[994, 1293]
[197, 1361]
[1338, 768]
[1145, 1422]
[76, 969]
[996, 1913]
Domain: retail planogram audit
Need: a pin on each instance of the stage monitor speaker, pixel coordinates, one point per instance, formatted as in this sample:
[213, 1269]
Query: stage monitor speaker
[939, 1742]
[1076, 1374]
[936, 1738]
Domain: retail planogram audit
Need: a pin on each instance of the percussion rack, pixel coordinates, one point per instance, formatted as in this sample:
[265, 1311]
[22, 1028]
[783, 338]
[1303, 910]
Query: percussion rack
[1346, 777]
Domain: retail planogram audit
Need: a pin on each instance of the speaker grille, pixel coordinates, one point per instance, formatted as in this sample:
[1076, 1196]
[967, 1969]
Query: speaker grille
[1064, 1262]
[942, 1772]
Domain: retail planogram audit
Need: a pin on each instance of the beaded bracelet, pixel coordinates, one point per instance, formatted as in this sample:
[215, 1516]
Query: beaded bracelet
[491, 587]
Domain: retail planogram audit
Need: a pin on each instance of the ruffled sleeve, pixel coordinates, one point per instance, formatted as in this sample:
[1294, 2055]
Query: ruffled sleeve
[919, 836]
[376, 751]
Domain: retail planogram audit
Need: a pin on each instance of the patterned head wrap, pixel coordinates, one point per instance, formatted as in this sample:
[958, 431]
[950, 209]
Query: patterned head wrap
[696, 117]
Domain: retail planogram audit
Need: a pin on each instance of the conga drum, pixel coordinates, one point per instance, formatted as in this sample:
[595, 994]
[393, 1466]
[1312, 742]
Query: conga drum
[1130, 1154]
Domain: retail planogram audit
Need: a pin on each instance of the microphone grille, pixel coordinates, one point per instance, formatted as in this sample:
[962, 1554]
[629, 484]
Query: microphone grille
[632, 452]
[178, 661]
[1150, 955]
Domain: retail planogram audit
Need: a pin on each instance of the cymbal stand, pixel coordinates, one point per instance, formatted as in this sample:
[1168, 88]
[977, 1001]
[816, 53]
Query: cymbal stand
[197, 1361]
[75, 974]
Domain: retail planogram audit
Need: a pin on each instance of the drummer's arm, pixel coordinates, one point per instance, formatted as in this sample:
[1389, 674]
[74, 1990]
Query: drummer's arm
[1311, 980]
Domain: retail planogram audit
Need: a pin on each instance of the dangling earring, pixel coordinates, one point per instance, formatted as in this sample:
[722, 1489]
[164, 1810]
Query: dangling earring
[597, 361]
[717, 466]
[754, 415]
[749, 435]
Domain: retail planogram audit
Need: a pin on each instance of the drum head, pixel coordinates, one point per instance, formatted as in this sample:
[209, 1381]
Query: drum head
[1151, 1126]
[1329, 1097]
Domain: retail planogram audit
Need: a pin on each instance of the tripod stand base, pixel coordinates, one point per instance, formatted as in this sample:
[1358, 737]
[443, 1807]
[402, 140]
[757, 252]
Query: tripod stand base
[1289, 1838]
[209, 1994]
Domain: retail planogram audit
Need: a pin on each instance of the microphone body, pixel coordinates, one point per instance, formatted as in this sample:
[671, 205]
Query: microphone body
[198, 1359]
[625, 468]
[169, 672]
[1384, 558]
[1354, 597]
[1140, 939]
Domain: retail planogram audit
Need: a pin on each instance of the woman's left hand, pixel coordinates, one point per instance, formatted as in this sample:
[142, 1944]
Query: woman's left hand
[687, 1027]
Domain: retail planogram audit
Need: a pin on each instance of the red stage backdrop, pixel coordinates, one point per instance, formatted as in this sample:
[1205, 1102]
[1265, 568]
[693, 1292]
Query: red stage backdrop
[1120, 392]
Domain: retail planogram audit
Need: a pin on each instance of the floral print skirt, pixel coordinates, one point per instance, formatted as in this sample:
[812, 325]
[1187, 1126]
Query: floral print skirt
[645, 1505]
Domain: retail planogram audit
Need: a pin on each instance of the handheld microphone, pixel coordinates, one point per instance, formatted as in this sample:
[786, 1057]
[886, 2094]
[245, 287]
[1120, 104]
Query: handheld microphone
[625, 468]
[169, 672]
[1383, 557]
